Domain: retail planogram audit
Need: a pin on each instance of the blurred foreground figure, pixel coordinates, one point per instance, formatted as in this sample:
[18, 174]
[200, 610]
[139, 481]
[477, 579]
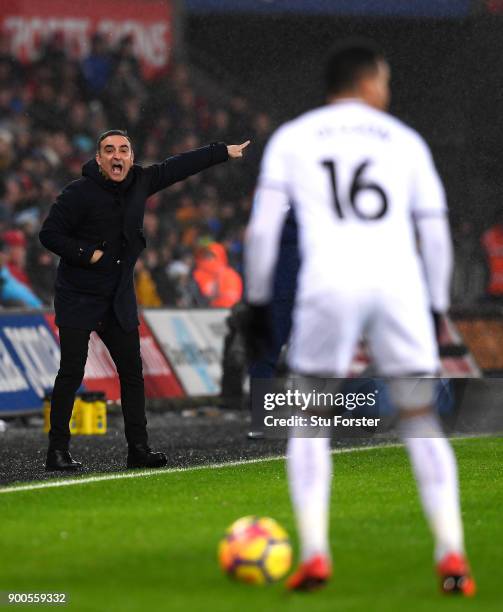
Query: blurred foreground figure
[360, 182]
[96, 227]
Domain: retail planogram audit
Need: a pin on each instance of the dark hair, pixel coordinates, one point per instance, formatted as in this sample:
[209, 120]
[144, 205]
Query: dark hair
[108, 133]
[348, 62]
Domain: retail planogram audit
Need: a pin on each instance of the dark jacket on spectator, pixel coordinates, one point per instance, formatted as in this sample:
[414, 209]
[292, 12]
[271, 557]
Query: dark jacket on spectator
[96, 213]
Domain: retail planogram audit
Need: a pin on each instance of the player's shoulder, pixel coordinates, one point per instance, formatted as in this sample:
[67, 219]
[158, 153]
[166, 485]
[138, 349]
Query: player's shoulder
[283, 139]
[406, 132]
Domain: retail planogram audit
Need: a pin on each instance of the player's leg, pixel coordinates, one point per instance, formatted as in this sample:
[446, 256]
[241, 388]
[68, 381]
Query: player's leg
[323, 341]
[433, 462]
[309, 474]
[124, 348]
[403, 343]
[74, 345]
[434, 466]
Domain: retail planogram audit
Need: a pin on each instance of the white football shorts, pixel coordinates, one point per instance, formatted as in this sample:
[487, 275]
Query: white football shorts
[395, 322]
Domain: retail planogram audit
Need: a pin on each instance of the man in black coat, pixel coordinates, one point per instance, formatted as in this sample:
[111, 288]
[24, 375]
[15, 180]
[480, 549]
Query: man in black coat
[95, 227]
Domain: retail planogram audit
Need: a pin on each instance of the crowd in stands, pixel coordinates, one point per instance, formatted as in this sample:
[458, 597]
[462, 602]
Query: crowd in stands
[52, 110]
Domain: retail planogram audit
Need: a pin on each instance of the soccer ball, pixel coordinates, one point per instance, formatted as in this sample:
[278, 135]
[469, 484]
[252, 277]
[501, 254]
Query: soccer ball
[255, 550]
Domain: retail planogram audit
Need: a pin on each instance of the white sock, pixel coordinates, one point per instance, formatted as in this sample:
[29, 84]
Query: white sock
[309, 474]
[434, 466]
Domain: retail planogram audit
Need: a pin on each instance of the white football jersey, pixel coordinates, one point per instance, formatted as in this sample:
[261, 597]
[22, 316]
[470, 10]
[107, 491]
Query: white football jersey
[356, 178]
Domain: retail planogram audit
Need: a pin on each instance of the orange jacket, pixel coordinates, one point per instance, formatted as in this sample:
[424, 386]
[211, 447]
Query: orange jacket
[217, 281]
[492, 241]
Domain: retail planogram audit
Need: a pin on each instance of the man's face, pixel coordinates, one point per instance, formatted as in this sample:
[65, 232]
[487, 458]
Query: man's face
[115, 157]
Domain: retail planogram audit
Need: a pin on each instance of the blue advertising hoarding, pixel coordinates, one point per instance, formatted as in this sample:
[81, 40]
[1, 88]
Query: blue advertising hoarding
[29, 361]
[369, 8]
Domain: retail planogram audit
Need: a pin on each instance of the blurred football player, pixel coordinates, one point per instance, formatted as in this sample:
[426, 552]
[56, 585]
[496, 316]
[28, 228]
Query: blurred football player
[362, 184]
[269, 362]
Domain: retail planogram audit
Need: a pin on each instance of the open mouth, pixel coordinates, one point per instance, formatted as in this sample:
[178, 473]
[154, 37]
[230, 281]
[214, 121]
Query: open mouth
[117, 169]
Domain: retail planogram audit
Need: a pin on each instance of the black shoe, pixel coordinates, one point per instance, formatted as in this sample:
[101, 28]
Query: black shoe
[141, 456]
[60, 460]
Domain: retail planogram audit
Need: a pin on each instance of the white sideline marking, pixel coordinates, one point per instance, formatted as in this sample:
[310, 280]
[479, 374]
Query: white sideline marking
[154, 472]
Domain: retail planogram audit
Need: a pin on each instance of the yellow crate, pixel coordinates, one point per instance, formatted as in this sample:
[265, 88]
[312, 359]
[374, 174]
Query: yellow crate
[89, 414]
[100, 417]
[93, 414]
[74, 419]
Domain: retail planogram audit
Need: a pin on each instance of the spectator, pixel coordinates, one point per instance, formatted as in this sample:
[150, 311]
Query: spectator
[145, 287]
[97, 66]
[41, 269]
[78, 123]
[183, 290]
[53, 52]
[15, 251]
[151, 230]
[217, 281]
[220, 124]
[28, 222]
[12, 292]
[125, 55]
[125, 83]
[43, 109]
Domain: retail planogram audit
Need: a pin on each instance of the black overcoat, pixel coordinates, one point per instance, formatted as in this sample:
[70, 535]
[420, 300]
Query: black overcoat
[94, 212]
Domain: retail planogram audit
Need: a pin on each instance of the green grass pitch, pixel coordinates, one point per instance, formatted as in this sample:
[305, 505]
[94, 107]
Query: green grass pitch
[150, 543]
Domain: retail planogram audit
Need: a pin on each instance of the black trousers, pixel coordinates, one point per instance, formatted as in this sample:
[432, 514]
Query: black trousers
[124, 348]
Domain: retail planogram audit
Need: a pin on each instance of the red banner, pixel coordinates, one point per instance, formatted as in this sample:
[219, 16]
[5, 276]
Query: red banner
[160, 380]
[101, 375]
[27, 24]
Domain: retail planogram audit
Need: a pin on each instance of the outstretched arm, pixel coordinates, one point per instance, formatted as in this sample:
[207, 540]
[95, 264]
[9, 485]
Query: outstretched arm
[179, 167]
